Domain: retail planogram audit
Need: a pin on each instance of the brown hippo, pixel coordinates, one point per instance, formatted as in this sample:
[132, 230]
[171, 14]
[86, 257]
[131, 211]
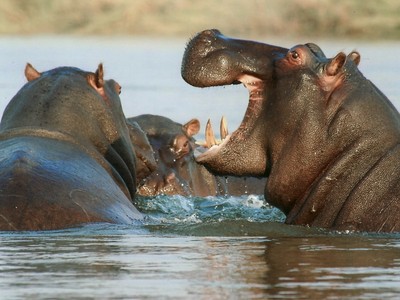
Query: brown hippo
[65, 153]
[145, 160]
[177, 172]
[325, 136]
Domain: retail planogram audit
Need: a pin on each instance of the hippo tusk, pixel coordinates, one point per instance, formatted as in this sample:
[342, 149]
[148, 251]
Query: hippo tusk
[223, 128]
[210, 137]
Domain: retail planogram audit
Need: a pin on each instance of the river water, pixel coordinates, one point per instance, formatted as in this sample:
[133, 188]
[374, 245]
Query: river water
[190, 248]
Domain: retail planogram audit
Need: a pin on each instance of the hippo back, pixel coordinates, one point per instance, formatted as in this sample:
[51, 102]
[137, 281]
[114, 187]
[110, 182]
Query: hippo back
[65, 153]
[49, 184]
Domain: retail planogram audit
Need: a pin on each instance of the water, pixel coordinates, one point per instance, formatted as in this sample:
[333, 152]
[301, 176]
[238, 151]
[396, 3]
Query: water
[200, 248]
[190, 248]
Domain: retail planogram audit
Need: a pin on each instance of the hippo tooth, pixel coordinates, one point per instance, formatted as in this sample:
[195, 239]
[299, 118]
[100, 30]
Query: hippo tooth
[210, 137]
[223, 128]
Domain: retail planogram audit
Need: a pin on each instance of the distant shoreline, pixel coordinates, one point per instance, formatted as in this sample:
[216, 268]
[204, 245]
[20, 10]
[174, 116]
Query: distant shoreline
[329, 19]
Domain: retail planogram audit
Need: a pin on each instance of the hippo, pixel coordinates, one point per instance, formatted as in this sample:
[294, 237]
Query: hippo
[177, 172]
[325, 136]
[66, 158]
[145, 161]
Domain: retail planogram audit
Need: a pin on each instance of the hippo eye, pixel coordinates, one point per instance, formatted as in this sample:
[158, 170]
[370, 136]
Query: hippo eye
[118, 88]
[294, 55]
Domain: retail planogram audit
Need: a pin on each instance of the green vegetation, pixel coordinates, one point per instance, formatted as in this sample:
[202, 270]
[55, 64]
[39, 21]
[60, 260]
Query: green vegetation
[360, 19]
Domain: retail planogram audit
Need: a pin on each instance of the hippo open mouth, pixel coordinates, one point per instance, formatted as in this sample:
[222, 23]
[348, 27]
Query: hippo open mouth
[211, 145]
[325, 136]
[211, 59]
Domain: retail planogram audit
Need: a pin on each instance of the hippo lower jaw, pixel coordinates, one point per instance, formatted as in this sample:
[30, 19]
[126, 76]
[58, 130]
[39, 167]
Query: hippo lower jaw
[203, 154]
[218, 157]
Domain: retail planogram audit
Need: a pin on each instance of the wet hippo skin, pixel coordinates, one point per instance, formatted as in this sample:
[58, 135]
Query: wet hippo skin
[324, 135]
[65, 154]
[176, 171]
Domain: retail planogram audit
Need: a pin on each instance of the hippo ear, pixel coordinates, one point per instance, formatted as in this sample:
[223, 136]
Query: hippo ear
[96, 80]
[355, 57]
[336, 64]
[99, 76]
[192, 127]
[31, 73]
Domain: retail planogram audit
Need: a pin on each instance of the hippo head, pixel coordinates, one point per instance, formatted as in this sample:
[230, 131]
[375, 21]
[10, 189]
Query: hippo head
[145, 161]
[307, 114]
[274, 76]
[176, 169]
[80, 107]
[166, 160]
[283, 84]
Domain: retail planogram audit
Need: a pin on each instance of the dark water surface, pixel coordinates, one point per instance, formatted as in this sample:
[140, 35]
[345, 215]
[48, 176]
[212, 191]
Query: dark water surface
[200, 248]
[190, 248]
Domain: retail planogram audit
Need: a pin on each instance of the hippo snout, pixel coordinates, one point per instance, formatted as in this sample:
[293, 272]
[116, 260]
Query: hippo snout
[207, 40]
[212, 59]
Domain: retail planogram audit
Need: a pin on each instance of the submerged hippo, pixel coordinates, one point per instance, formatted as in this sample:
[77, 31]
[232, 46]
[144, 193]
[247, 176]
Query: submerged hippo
[145, 160]
[325, 136]
[65, 153]
[177, 172]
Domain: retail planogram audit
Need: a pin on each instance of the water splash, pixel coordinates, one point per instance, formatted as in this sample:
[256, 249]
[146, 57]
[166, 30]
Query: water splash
[193, 210]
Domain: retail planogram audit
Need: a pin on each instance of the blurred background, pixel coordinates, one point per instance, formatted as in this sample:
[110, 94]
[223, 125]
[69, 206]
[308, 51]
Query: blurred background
[141, 43]
[379, 19]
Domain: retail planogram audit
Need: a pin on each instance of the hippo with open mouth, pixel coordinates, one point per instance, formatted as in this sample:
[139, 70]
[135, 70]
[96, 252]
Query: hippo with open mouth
[325, 136]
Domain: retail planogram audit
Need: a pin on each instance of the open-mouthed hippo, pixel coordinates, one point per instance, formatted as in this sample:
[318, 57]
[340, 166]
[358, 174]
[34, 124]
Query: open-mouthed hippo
[177, 172]
[325, 136]
[65, 154]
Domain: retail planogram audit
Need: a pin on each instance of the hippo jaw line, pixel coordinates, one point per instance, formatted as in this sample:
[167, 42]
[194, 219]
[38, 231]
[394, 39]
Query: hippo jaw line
[201, 156]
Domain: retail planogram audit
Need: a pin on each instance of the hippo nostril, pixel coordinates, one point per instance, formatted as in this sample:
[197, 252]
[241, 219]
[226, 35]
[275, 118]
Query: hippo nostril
[209, 32]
